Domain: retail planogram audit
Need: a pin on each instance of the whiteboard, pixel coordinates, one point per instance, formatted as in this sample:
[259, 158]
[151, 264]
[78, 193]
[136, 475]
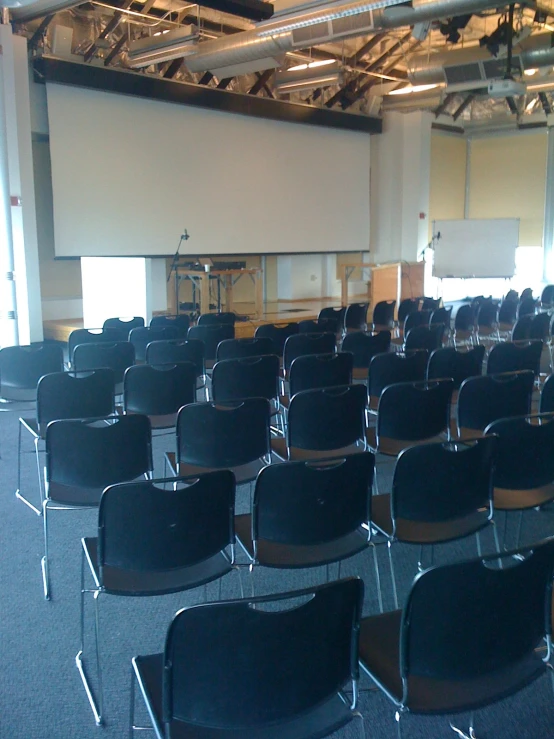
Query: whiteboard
[475, 247]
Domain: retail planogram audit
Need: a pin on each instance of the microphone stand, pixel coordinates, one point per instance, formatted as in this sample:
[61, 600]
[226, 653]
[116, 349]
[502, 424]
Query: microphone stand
[174, 268]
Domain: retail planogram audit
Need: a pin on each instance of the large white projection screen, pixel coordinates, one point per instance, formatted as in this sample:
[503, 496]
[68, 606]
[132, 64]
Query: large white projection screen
[129, 174]
[475, 247]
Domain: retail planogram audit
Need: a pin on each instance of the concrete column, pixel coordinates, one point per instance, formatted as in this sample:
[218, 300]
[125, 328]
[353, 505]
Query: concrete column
[15, 102]
[548, 233]
[400, 179]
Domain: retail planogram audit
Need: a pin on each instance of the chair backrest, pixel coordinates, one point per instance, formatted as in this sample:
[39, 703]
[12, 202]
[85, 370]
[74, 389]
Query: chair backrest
[335, 314]
[355, 316]
[526, 293]
[507, 311]
[414, 319]
[526, 306]
[74, 395]
[240, 348]
[310, 326]
[547, 396]
[278, 334]
[117, 357]
[246, 377]
[181, 322]
[21, 367]
[407, 306]
[547, 295]
[143, 526]
[522, 328]
[512, 356]
[327, 418]
[126, 323]
[443, 481]
[364, 346]
[383, 315]
[211, 335]
[142, 336]
[410, 411]
[456, 363]
[93, 454]
[217, 319]
[441, 315]
[386, 369]
[174, 352]
[300, 344]
[524, 456]
[540, 326]
[430, 304]
[226, 435]
[312, 503]
[482, 400]
[499, 617]
[310, 636]
[94, 336]
[159, 390]
[487, 314]
[464, 320]
[425, 337]
[320, 370]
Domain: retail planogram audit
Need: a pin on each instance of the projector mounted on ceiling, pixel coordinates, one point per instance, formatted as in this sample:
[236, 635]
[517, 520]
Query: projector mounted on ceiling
[506, 88]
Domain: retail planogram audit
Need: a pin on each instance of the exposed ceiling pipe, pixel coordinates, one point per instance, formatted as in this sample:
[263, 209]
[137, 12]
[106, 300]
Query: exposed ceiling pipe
[275, 37]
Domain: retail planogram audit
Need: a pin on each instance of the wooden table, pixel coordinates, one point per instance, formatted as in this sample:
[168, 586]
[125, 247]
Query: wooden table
[346, 273]
[228, 278]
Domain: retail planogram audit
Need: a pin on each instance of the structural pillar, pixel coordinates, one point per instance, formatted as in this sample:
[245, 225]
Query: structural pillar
[400, 181]
[16, 111]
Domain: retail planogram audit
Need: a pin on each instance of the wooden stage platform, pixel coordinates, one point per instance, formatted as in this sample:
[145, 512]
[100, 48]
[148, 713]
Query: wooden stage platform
[274, 312]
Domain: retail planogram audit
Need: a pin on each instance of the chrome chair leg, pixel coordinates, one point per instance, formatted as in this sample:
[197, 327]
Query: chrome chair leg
[18, 494]
[519, 525]
[358, 716]
[96, 706]
[462, 734]
[393, 577]
[397, 718]
[478, 543]
[44, 560]
[377, 578]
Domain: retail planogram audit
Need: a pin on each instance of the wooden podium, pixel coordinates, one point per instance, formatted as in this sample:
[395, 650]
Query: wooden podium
[396, 281]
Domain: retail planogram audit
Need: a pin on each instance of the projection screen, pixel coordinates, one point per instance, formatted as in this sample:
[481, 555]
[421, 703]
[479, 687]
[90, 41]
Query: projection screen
[129, 175]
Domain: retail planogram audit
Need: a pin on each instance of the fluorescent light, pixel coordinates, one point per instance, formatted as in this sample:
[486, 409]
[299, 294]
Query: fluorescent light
[530, 72]
[309, 76]
[412, 88]
[529, 107]
[163, 46]
[311, 65]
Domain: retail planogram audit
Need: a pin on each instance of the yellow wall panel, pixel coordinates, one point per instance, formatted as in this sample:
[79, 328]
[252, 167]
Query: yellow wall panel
[448, 178]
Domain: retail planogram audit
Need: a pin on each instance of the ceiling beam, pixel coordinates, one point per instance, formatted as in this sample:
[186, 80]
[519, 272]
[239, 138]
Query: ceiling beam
[545, 102]
[224, 83]
[39, 33]
[114, 51]
[206, 78]
[363, 50]
[110, 27]
[172, 69]
[261, 82]
[445, 103]
[460, 109]
[512, 105]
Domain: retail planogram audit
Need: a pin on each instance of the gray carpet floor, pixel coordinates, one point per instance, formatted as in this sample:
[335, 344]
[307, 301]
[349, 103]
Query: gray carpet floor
[41, 695]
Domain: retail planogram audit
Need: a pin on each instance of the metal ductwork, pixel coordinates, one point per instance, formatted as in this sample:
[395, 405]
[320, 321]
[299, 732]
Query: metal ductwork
[27, 10]
[330, 22]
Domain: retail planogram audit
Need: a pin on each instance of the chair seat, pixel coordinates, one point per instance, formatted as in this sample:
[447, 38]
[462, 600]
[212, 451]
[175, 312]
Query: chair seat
[284, 401]
[243, 473]
[166, 421]
[380, 655]
[393, 447]
[138, 583]
[274, 554]
[279, 447]
[328, 717]
[464, 433]
[360, 373]
[424, 532]
[517, 500]
[69, 495]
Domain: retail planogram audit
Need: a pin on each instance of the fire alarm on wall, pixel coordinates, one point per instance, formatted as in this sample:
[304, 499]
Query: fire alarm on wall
[421, 216]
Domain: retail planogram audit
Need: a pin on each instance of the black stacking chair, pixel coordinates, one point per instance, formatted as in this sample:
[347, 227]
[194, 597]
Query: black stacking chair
[278, 333]
[124, 324]
[247, 377]
[526, 293]
[355, 317]
[414, 319]
[333, 314]
[309, 514]
[547, 296]
[382, 318]
[526, 307]
[117, 356]
[507, 314]
[174, 352]
[546, 404]
[217, 319]
[457, 363]
[387, 369]
[64, 395]
[521, 330]
[428, 338]
[158, 391]
[142, 336]
[469, 635]
[154, 541]
[323, 423]
[430, 304]
[482, 400]
[407, 306]
[312, 371]
[233, 435]
[452, 502]
[464, 325]
[441, 315]
[211, 335]
[301, 344]
[240, 348]
[94, 336]
[487, 322]
[512, 356]
[309, 326]
[540, 326]
[181, 322]
[85, 456]
[524, 464]
[411, 413]
[21, 367]
[298, 651]
[363, 348]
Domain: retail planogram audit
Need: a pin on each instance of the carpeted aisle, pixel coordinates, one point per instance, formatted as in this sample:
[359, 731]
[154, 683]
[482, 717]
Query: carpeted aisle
[41, 696]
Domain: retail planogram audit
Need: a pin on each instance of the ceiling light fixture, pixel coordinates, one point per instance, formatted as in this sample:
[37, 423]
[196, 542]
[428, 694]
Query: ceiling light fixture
[309, 76]
[163, 47]
[311, 65]
[411, 88]
[530, 72]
